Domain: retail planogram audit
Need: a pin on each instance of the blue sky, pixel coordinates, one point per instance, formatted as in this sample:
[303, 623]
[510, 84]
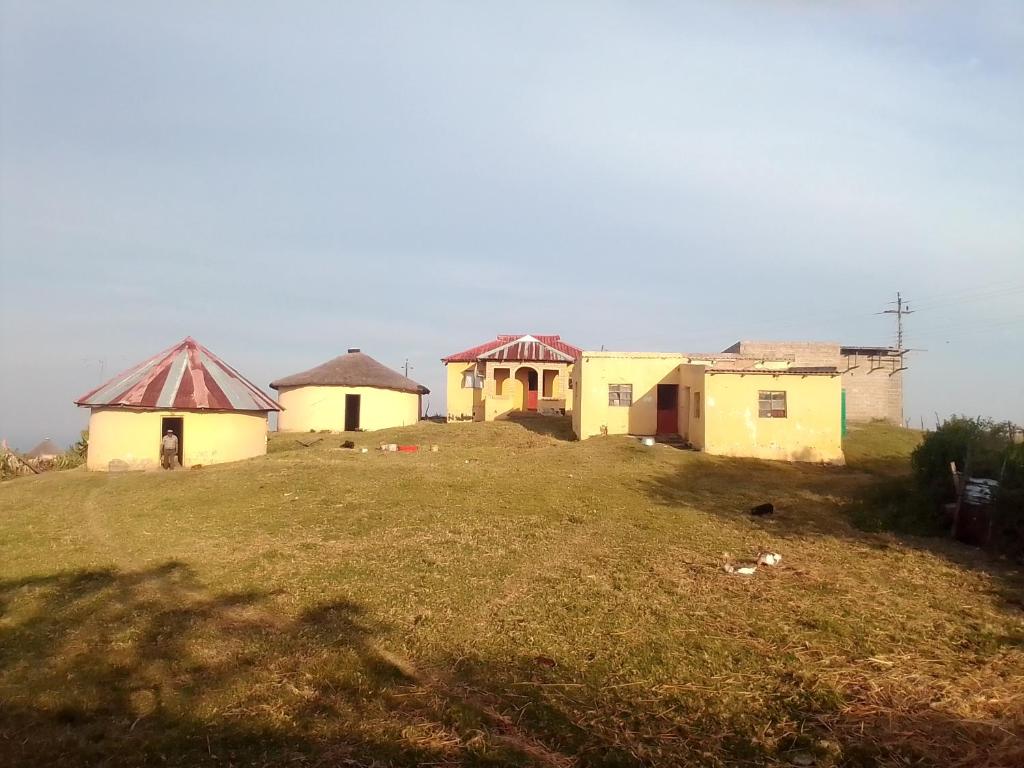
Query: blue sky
[285, 180]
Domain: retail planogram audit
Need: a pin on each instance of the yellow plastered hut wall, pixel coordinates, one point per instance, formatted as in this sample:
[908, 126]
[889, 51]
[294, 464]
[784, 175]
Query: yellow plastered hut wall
[130, 438]
[595, 371]
[811, 430]
[319, 408]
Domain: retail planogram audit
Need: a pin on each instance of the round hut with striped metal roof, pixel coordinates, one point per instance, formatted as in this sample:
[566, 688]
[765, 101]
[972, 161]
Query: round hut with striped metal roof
[217, 414]
[350, 393]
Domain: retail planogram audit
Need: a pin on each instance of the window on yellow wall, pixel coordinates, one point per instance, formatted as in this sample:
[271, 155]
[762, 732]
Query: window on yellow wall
[620, 394]
[771, 404]
[696, 405]
[472, 381]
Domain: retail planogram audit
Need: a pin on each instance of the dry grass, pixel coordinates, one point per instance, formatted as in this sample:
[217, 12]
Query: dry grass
[513, 599]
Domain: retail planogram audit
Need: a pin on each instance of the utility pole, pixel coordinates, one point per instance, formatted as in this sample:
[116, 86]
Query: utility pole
[407, 367]
[902, 308]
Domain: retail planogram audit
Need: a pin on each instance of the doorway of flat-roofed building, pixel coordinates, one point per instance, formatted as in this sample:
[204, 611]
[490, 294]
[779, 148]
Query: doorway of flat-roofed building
[668, 409]
[353, 404]
[177, 425]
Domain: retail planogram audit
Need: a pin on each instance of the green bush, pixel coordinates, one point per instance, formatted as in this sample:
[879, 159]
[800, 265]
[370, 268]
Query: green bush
[981, 448]
[978, 446]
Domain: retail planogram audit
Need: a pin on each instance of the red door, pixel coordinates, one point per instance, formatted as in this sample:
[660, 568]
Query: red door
[668, 409]
[531, 391]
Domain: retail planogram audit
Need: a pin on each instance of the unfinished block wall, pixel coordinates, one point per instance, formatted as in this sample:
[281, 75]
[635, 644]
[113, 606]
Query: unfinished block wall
[871, 392]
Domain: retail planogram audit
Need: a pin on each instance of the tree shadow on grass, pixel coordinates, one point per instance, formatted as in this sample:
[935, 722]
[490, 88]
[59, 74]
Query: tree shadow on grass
[112, 668]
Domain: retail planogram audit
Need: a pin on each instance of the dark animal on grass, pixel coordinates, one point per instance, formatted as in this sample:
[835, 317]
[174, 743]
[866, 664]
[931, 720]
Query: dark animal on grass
[763, 509]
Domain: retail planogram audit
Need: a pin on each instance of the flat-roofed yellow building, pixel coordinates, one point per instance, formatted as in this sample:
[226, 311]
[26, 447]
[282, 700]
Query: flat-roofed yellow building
[349, 393]
[722, 404]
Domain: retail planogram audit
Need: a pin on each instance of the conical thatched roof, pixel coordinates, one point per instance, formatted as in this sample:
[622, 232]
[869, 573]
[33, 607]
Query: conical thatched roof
[352, 370]
[45, 448]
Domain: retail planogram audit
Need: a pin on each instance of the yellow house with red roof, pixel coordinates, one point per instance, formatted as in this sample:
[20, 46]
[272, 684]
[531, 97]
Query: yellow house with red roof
[508, 374]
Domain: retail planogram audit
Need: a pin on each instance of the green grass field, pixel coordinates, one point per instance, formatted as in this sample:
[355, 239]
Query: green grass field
[512, 599]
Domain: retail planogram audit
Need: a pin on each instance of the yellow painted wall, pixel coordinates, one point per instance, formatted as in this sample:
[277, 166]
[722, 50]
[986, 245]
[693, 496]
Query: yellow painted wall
[460, 403]
[592, 415]
[691, 423]
[811, 430]
[210, 437]
[727, 423]
[487, 405]
[320, 408]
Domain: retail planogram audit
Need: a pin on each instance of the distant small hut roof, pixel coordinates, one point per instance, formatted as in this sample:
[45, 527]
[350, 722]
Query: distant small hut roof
[46, 448]
[353, 369]
[186, 376]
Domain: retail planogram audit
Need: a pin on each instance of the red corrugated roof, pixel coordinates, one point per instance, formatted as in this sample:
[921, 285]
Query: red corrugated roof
[518, 347]
[186, 376]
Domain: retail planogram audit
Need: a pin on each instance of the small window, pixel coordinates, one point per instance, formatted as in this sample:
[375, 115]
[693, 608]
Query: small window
[696, 405]
[472, 381]
[620, 394]
[771, 405]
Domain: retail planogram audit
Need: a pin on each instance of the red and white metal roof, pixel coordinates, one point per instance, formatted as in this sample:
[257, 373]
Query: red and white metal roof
[523, 347]
[187, 376]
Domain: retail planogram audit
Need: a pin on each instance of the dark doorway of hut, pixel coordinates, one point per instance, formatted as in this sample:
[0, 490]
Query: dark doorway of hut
[352, 405]
[177, 425]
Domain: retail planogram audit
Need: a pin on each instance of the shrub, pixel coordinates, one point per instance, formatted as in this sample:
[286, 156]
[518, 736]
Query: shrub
[978, 446]
[981, 448]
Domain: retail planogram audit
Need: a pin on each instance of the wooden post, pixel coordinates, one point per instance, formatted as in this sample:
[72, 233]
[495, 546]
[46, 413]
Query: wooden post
[961, 484]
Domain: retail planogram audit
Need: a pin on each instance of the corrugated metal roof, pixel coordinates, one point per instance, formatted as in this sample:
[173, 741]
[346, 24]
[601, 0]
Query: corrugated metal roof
[822, 370]
[186, 376]
[521, 347]
[850, 349]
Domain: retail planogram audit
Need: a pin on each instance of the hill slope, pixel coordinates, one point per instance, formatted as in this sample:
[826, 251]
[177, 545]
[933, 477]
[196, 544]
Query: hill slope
[512, 599]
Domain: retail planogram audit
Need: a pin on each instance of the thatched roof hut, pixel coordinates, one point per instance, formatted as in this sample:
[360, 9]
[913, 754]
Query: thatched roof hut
[350, 392]
[354, 369]
[47, 449]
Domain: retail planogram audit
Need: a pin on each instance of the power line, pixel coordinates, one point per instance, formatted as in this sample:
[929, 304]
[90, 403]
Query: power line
[965, 298]
[978, 328]
[944, 296]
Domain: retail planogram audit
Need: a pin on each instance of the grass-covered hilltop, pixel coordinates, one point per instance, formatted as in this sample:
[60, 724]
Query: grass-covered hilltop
[513, 598]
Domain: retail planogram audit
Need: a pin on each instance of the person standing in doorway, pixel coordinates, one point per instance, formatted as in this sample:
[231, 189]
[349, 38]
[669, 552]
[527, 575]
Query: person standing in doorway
[169, 450]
